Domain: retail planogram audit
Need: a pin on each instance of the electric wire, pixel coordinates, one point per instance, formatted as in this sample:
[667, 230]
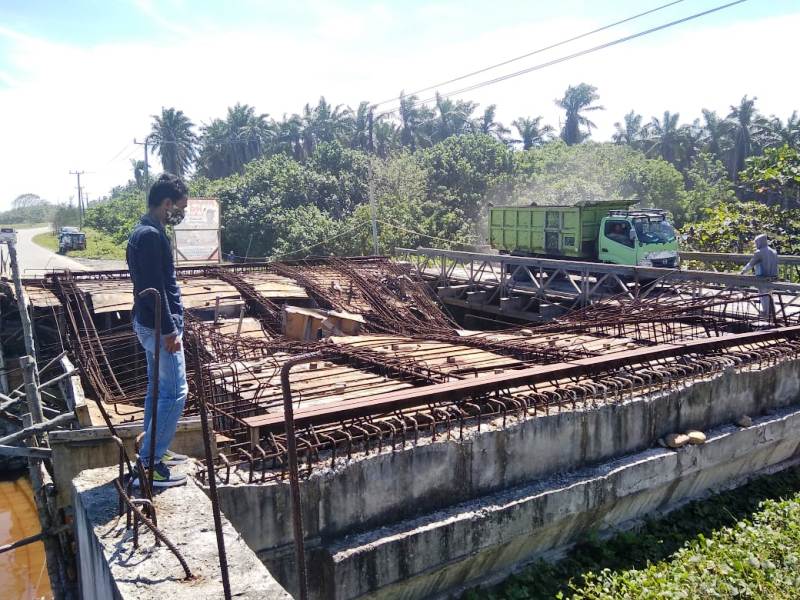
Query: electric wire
[532, 53]
[569, 57]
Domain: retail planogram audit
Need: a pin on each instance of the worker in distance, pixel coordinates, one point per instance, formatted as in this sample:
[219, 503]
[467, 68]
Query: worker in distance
[764, 264]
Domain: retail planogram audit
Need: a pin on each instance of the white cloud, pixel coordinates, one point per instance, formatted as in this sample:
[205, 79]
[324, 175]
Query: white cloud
[66, 107]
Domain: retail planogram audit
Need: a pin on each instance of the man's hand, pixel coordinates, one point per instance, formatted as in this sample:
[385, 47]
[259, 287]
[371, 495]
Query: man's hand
[172, 343]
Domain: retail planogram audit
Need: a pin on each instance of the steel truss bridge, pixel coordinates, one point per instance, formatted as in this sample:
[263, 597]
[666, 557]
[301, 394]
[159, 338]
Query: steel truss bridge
[537, 289]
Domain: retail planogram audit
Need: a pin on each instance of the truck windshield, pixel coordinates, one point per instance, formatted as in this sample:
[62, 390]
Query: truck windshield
[654, 232]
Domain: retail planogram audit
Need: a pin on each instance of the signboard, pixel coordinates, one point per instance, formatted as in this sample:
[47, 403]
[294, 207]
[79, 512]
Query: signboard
[197, 236]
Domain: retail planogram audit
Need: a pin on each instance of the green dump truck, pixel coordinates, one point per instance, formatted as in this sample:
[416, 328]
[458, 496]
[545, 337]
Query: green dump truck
[610, 232]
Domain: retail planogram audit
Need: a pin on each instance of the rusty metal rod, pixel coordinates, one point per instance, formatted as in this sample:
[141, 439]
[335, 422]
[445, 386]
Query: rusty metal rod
[294, 476]
[34, 538]
[156, 531]
[212, 480]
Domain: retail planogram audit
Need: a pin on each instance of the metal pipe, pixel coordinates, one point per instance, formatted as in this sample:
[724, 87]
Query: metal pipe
[294, 477]
[212, 480]
[38, 428]
[154, 399]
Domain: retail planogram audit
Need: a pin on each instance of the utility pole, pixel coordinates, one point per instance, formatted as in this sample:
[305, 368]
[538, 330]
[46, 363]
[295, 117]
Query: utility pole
[372, 208]
[80, 197]
[146, 164]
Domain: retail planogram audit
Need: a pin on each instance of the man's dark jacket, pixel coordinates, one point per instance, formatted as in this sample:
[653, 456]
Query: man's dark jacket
[149, 257]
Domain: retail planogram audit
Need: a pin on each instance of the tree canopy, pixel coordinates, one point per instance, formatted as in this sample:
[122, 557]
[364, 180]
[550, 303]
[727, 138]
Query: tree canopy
[300, 184]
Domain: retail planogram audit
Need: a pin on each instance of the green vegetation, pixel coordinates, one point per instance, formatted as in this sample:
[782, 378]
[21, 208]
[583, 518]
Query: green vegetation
[300, 185]
[29, 210]
[744, 543]
[98, 245]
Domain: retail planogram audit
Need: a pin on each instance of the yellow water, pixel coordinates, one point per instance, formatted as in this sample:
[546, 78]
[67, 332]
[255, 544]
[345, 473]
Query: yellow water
[23, 574]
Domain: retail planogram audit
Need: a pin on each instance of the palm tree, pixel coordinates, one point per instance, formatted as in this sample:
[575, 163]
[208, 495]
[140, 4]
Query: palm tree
[138, 172]
[325, 123]
[665, 137]
[414, 123]
[361, 137]
[387, 137]
[778, 135]
[489, 126]
[172, 136]
[452, 118]
[248, 134]
[630, 132]
[215, 159]
[717, 134]
[690, 143]
[578, 99]
[743, 116]
[289, 137]
[532, 134]
[226, 146]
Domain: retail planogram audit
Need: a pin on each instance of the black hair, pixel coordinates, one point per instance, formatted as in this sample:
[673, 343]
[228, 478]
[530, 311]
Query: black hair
[166, 186]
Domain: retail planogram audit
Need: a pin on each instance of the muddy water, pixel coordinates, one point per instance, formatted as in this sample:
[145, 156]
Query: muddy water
[23, 574]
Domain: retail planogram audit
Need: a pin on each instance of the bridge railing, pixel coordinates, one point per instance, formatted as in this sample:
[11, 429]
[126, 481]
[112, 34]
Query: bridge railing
[581, 282]
[788, 266]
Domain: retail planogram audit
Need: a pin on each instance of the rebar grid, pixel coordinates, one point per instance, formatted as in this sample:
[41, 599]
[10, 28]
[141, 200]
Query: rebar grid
[263, 458]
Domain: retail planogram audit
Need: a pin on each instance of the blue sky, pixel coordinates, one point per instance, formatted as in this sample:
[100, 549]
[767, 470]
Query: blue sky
[80, 79]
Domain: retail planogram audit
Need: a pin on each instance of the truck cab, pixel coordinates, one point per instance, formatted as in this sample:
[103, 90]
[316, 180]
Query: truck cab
[642, 237]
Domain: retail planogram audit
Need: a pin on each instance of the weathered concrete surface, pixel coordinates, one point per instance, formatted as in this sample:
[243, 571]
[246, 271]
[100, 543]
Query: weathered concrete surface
[111, 568]
[385, 488]
[428, 556]
[92, 448]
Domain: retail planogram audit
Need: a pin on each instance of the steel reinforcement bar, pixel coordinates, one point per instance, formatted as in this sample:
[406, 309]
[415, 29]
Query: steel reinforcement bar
[456, 390]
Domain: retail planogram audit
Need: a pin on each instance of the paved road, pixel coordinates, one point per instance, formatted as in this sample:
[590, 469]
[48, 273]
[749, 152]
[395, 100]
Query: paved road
[35, 260]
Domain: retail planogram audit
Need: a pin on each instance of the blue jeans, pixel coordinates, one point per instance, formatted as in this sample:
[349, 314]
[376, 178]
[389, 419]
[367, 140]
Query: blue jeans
[172, 392]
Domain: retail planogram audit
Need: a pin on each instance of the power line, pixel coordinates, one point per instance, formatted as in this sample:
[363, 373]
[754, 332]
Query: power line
[534, 52]
[574, 55]
[80, 196]
[118, 154]
[304, 248]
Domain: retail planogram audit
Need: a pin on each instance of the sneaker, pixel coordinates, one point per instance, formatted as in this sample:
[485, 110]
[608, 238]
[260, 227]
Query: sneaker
[171, 458]
[162, 478]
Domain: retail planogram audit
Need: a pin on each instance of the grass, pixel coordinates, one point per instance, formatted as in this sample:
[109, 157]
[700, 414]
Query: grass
[98, 245]
[743, 543]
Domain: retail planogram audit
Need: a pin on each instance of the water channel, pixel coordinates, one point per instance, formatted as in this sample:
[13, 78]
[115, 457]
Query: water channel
[23, 574]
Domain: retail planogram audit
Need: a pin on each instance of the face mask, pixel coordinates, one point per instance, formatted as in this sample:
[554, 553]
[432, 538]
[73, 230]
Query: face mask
[175, 216]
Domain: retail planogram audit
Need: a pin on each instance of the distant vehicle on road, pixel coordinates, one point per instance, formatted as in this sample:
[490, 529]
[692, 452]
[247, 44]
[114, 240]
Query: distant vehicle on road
[71, 238]
[609, 232]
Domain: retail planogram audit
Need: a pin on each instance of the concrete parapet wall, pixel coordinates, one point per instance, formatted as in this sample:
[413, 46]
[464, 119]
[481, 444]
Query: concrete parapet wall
[112, 568]
[381, 489]
[92, 447]
[487, 538]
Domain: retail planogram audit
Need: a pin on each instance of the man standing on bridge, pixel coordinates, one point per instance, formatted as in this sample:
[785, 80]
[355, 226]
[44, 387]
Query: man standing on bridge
[149, 257]
[764, 264]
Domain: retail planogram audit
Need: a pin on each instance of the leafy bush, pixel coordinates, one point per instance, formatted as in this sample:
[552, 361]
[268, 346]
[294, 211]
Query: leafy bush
[118, 214]
[731, 227]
